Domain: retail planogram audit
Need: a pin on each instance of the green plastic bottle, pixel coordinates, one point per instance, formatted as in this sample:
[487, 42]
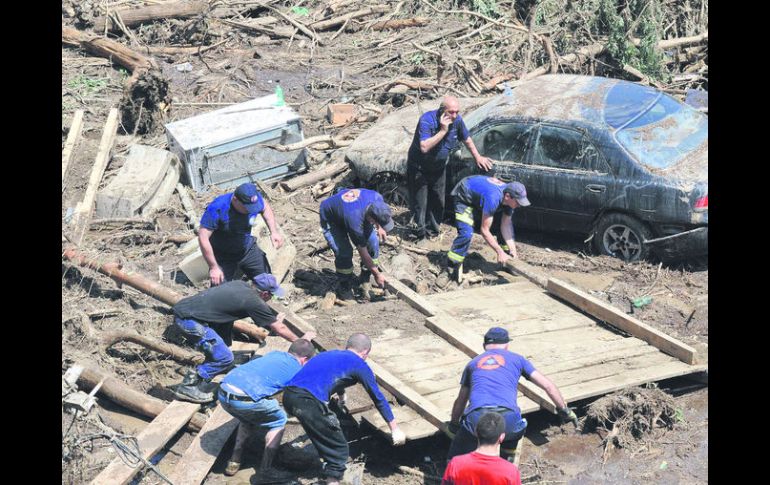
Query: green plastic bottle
[279, 95]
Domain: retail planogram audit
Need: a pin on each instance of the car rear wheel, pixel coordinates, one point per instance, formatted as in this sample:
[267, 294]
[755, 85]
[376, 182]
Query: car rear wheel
[392, 187]
[622, 236]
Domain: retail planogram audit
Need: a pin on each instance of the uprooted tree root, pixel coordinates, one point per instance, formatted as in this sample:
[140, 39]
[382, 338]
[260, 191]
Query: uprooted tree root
[145, 101]
[631, 414]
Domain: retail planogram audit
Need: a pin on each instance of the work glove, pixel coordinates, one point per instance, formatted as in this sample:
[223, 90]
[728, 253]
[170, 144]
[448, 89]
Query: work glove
[567, 414]
[398, 437]
[451, 430]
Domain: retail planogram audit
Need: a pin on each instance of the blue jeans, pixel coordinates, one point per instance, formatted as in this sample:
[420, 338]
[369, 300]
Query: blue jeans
[465, 440]
[204, 338]
[339, 242]
[265, 413]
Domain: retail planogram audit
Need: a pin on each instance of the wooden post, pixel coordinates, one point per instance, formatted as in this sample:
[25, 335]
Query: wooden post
[138, 16]
[72, 138]
[84, 209]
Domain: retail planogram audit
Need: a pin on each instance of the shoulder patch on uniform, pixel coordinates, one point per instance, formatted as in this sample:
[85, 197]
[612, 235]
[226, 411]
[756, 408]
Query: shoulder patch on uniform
[351, 195]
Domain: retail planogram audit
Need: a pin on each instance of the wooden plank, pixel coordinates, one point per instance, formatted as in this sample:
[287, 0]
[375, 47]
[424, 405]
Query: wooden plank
[570, 355]
[434, 371]
[423, 407]
[472, 345]
[603, 370]
[401, 365]
[517, 266]
[73, 136]
[617, 318]
[599, 358]
[429, 386]
[407, 294]
[196, 462]
[150, 440]
[412, 424]
[83, 210]
[634, 378]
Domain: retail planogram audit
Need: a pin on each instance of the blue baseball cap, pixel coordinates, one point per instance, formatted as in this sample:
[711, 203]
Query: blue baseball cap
[248, 195]
[380, 212]
[267, 282]
[496, 335]
[518, 192]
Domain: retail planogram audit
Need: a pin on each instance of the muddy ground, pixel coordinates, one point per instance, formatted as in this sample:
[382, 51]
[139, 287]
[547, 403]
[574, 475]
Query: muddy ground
[312, 76]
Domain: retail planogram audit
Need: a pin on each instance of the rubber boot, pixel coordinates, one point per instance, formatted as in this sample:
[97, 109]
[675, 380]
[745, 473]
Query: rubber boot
[194, 388]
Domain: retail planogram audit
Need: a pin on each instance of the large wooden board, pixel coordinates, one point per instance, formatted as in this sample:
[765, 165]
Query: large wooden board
[150, 440]
[196, 462]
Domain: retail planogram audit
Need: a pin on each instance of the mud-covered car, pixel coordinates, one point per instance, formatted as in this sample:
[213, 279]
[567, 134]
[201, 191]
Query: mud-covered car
[625, 163]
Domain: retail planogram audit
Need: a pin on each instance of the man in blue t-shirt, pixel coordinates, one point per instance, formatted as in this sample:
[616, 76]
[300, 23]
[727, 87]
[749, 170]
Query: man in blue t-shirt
[490, 382]
[246, 393]
[360, 216]
[225, 236]
[436, 135]
[477, 198]
[307, 397]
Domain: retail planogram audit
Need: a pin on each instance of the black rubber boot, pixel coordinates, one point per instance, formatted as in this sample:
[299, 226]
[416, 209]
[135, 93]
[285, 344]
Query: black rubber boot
[194, 388]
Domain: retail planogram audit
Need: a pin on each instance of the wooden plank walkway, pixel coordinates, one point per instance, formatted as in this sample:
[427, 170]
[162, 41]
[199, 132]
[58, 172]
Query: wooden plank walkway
[582, 356]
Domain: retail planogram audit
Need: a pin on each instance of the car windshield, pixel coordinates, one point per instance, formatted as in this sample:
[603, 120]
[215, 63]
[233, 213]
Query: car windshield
[665, 131]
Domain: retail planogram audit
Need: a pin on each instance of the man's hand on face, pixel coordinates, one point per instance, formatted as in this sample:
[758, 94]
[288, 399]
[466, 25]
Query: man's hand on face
[445, 122]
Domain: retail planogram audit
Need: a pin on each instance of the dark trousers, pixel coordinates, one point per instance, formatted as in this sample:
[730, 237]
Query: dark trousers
[427, 191]
[252, 264]
[465, 440]
[322, 427]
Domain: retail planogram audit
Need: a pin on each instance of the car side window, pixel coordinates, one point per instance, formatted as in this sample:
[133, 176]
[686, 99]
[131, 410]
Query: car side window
[504, 142]
[567, 149]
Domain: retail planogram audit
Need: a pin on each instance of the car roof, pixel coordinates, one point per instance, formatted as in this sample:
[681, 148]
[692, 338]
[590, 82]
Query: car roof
[602, 102]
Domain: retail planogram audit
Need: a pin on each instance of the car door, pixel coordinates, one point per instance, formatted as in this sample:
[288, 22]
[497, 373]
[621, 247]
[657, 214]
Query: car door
[507, 143]
[567, 178]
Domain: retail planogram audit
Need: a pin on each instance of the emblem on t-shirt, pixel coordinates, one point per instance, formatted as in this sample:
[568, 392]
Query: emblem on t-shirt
[495, 181]
[351, 195]
[491, 362]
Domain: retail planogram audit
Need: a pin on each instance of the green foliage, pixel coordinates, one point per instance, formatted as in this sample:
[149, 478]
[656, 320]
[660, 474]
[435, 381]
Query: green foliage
[416, 59]
[86, 85]
[486, 7]
[642, 19]
[678, 415]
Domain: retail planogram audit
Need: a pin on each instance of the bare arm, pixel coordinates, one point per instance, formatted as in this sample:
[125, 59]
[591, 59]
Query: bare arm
[549, 387]
[506, 227]
[282, 330]
[367, 259]
[459, 405]
[486, 225]
[269, 216]
[215, 272]
[484, 163]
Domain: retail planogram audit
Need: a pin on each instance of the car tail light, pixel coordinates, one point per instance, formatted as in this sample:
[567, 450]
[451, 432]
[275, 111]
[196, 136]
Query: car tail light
[702, 203]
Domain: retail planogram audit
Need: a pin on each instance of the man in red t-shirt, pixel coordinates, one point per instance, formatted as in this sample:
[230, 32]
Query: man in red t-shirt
[484, 466]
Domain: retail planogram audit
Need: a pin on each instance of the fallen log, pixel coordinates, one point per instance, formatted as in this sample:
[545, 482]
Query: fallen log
[337, 21]
[138, 16]
[400, 23]
[314, 176]
[145, 95]
[151, 288]
[121, 393]
[402, 268]
[313, 140]
[112, 337]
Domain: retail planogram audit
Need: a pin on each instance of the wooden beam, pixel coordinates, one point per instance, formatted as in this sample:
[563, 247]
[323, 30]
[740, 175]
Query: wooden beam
[138, 16]
[72, 138]
[519, 267]
[451, 330]
[405, 293]
[120, 393]
[437, 417]
[84, 209]
[617, 318]
[150, 440]
[196, 462]
[314, 176]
